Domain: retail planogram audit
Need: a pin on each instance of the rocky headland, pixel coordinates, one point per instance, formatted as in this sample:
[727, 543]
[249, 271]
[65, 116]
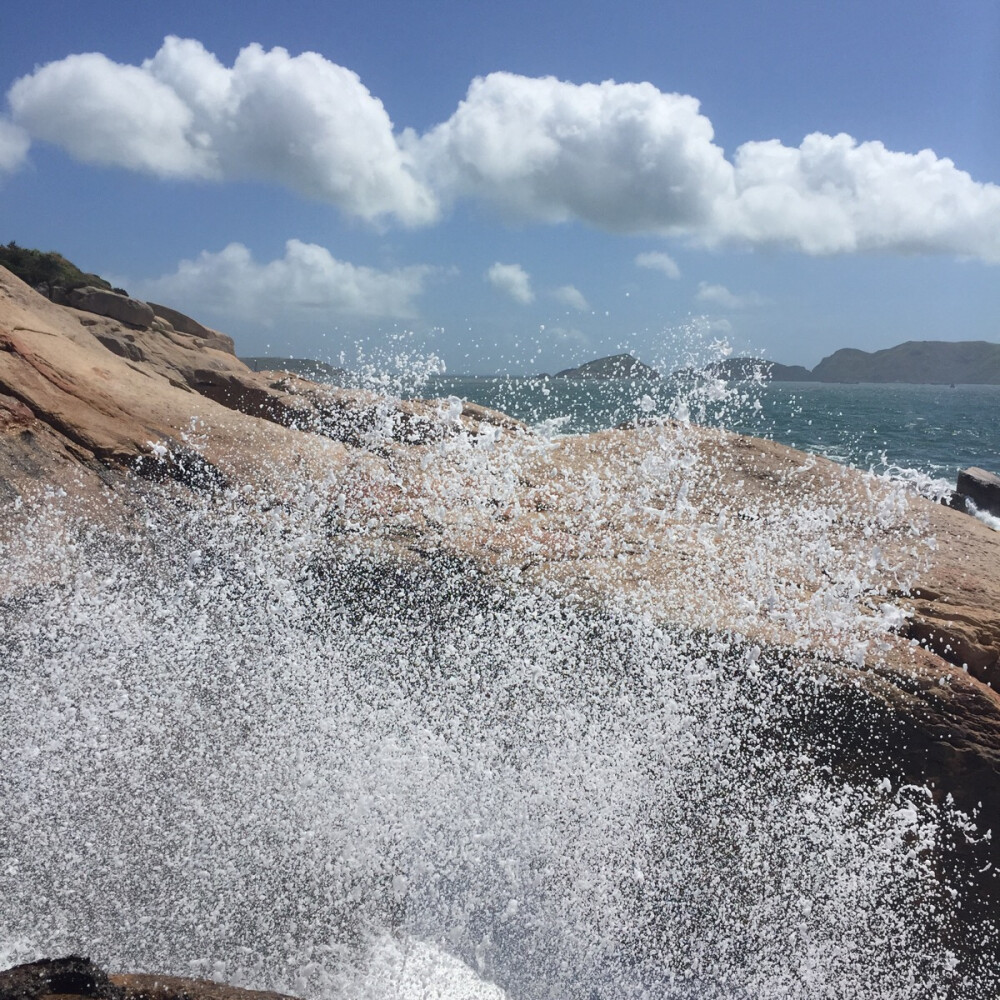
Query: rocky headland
[889, 601]
[920, 362]
[615, 366]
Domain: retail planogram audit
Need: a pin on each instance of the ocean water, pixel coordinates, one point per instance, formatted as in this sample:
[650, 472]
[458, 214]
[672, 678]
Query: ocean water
[931, 429]
[241, 740]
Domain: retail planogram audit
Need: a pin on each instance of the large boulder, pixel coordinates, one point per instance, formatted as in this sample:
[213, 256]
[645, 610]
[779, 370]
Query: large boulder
[185, 324]
[981, 487]
[111, 304]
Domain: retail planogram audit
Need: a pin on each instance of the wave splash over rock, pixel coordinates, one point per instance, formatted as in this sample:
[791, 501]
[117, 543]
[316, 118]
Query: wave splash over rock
[234, 752]
[347, 696]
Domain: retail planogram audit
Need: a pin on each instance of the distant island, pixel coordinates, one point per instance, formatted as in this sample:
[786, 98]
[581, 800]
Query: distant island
[920, 362]
[616, 366]
[926, 362]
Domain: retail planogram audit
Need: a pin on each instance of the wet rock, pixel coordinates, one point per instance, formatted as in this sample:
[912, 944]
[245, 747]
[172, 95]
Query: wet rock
[113, 305]
[138, 986]
[981, 487]
[71, 976]
[75, 976]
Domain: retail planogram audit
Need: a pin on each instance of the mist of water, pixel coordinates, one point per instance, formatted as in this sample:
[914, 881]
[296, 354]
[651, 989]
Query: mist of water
[238, 741]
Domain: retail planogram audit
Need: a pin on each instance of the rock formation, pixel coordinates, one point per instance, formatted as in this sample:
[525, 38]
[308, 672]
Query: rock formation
[132, 312]
[982, 488]
[185, 324]
[694, 533]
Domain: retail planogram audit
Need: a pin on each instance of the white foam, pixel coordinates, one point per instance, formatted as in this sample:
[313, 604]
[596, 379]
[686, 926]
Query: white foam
[407, 969]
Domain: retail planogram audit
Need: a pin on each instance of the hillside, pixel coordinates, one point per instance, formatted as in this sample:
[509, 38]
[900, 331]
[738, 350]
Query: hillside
[748, 368]
[934, 362]
[918, 362]
[615, 366]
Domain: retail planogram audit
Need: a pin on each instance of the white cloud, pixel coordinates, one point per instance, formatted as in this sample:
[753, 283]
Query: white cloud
[624, 157]
[570, 295]
[301, 121]
[656, 261]
[721, 296]
[513, 280]
[566, 335]
[629, 158]
[307, 283]
[833, 194]
[14, 145]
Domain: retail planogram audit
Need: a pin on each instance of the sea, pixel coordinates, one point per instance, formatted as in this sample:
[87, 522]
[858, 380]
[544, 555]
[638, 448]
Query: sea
[236, 745]
[932, 431]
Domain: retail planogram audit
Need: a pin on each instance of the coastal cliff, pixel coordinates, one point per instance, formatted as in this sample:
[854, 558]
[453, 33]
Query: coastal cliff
[880, 604]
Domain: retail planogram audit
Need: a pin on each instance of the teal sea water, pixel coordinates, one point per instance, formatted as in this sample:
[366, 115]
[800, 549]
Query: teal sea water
[933, 430]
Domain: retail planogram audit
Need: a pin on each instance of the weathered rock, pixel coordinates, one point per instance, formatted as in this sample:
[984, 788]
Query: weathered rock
[102, 395]
[185, 324]
[981, 487]
[110, 304]
[14, 415]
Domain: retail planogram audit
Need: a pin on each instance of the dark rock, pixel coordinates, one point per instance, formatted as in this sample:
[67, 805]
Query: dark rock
[118, 307]
[79, 977]
[981, 487]
[70, 976]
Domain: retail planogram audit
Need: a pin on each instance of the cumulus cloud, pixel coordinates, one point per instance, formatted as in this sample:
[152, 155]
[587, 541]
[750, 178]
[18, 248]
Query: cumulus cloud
[513, 280]
[306, 282]
[14, 145]
[570, 295]
[833, 194]
[656, 261]
[719, 295]
[624, 157]
[566, 336]
[299, 120]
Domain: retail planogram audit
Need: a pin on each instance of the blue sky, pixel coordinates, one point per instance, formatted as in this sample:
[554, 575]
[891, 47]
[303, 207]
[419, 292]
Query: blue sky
[541, 217]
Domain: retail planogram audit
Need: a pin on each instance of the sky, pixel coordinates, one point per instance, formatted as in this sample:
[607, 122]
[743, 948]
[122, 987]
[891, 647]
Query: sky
[518, 187]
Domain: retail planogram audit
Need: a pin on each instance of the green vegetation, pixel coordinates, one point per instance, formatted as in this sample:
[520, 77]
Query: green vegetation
[37, 268]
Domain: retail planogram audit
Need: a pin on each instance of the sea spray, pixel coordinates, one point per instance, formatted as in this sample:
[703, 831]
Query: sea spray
[285, 739]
